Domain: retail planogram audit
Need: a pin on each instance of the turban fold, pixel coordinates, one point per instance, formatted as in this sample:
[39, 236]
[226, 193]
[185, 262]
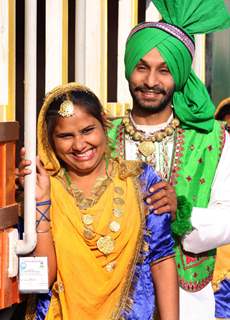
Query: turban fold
[191, 101]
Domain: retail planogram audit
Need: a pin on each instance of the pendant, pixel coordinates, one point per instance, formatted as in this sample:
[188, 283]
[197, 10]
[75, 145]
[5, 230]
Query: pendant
[118, 201]
[117, 212]
[105, 244]
[87, 219]
[114, 226]
[88, 234]
[146, 148]
[110, 266]
[119, 190]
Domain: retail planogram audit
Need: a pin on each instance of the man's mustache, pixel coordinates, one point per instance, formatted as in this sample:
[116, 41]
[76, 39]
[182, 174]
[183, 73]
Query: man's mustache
[154, 89]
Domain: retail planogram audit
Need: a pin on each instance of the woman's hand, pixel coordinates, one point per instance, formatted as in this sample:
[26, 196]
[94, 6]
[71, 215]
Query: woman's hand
[42, 181]
[163, 198]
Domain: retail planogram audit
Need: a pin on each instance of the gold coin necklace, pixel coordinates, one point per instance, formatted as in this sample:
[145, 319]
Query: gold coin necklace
[105, 243]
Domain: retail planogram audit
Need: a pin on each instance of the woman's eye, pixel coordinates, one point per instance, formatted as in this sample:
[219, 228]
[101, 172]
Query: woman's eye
[64, 136]
[87, 130]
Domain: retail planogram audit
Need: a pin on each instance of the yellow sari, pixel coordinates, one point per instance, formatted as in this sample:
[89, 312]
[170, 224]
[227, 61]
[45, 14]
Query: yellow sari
[84, 288]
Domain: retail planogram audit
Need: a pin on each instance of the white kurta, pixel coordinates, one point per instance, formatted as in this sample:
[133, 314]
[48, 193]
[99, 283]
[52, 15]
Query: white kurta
[211, 225]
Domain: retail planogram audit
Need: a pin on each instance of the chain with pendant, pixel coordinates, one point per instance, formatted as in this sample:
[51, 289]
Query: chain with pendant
[105, 243]
[153, 148]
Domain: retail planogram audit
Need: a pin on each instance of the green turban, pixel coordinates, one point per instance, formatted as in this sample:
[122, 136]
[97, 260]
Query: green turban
[191, 100]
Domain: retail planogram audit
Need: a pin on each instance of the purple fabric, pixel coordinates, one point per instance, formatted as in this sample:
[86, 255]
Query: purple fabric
[158, 237]
[222, 299]
[43, 302]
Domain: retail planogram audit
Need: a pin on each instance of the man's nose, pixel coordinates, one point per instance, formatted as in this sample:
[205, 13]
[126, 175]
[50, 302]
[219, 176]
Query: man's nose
[151, 79]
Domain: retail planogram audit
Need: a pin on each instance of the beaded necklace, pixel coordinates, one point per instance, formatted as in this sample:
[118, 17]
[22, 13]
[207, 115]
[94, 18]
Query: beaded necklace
[146, 143]
[157, 147]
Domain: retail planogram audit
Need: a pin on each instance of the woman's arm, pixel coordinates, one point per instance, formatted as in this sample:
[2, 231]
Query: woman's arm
[45, 245]
[167, 291]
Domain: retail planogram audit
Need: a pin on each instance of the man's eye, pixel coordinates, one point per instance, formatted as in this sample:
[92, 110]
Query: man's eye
[141, 67]
[164, 70]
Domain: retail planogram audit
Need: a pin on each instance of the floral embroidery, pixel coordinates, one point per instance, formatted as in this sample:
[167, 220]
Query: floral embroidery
[188, 178]
[210, 147]
[202, 181]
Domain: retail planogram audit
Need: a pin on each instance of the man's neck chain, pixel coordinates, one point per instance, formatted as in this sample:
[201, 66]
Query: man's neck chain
[146, 142]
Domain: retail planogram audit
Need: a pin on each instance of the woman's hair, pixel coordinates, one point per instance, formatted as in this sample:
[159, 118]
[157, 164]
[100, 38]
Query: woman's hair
[83, 99]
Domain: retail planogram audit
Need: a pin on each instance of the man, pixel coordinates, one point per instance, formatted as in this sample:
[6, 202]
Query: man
[172, 127]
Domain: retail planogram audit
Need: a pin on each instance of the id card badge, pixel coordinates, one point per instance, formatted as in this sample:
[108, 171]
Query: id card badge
[33, 275]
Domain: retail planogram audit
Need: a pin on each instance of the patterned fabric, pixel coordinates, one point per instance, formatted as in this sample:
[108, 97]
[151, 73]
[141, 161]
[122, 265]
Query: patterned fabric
[157, 244]
[191, 178]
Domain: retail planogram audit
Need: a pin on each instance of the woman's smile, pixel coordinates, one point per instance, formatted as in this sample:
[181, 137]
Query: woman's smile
[80, 142]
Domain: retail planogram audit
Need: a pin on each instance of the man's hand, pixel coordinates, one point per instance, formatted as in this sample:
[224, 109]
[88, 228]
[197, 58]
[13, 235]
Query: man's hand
[163, 199]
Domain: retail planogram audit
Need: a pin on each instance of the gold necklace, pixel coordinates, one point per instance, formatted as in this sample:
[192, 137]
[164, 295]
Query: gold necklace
[105, 243]
[146, 146]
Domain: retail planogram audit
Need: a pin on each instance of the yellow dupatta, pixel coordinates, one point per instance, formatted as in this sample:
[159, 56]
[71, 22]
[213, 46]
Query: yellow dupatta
[86, 289]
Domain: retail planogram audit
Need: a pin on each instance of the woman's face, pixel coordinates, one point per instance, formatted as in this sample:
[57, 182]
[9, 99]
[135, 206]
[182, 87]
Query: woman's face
[80, 142]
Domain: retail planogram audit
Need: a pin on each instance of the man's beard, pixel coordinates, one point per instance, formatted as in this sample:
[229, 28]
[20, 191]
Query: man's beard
[165, 101]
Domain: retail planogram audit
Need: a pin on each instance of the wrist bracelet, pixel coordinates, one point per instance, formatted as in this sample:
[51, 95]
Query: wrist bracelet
[43, 231]
[43, 214]
[43, 203]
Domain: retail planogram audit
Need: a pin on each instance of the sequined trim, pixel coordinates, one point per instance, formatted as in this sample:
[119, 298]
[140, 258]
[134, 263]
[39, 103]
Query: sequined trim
[194, 287]
[222, 276]
[178, 154]
[172, 30]
[121, 142]
[31, 307]
[222, 137]
[126, 298]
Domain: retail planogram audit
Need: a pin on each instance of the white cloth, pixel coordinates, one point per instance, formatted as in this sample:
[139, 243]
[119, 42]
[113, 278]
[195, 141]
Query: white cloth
[212, 225]
[198, 305]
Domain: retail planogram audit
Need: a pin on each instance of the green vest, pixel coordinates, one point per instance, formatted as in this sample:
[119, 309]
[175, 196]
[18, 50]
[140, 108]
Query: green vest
[195, 159]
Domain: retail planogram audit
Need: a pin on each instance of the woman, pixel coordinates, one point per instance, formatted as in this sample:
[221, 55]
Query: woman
[105, 247]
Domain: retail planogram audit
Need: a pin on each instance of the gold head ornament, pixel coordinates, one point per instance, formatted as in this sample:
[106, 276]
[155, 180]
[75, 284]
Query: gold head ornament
[66, 109]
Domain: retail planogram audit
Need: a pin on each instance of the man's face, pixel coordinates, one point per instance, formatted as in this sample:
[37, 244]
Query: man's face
[151, 84]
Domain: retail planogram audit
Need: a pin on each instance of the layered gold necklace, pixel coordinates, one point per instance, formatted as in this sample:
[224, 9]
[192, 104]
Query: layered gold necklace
[146, 143]
[106, 242]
